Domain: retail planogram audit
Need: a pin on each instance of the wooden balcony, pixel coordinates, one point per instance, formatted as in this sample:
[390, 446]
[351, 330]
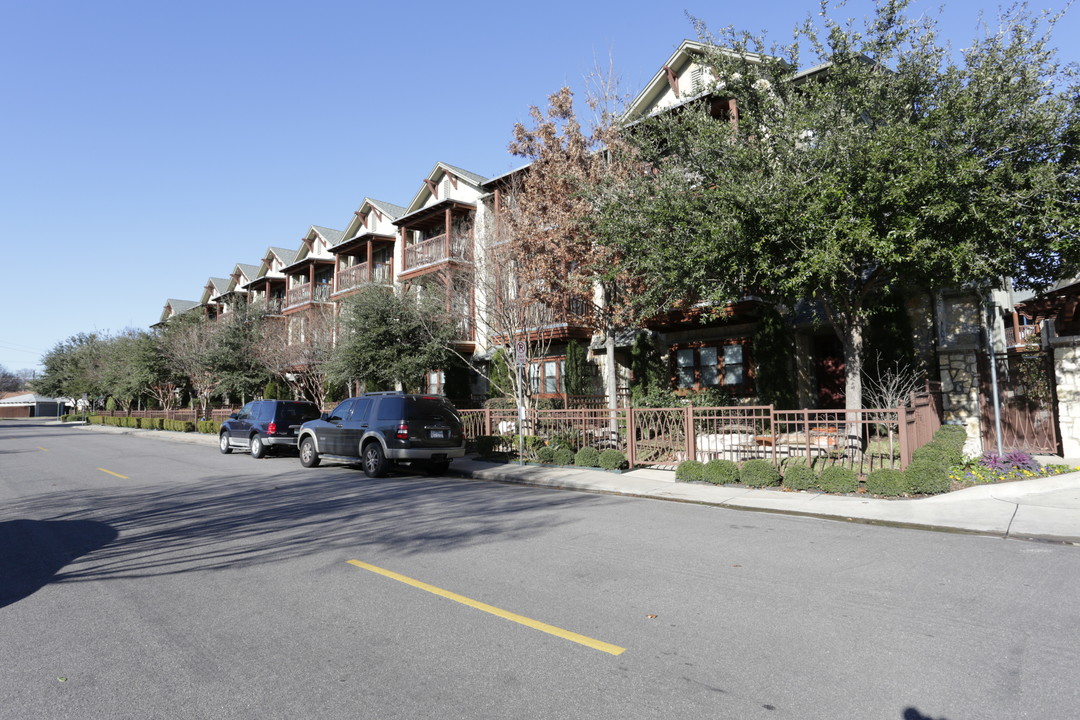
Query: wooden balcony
[437, 250]
[350, 278]
[301, 294]
[270, 306]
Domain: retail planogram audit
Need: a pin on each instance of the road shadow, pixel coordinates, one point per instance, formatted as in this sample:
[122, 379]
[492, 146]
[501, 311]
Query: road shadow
[223, 522]
[33, 551]
[912, 713]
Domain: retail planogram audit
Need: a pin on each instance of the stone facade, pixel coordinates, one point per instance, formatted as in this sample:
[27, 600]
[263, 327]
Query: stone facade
[960, 394]
[1067, 378]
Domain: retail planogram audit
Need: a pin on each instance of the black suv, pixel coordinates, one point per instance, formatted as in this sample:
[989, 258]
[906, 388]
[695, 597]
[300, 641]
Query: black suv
[385, 428]
[264, 424]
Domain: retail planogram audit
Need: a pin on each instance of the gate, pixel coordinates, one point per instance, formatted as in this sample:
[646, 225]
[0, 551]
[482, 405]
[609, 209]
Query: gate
[1028, 402]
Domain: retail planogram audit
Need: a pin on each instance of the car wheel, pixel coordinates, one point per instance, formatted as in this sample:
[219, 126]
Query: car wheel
[258, 449]
[438, 467]
[223, 444]
[374, 460]
[309, 456]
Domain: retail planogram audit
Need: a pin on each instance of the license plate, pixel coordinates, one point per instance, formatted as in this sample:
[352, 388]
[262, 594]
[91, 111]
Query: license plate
[438, 434]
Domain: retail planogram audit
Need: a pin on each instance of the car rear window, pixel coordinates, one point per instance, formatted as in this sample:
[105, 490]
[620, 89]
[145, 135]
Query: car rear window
[299, 413]
[432, 408]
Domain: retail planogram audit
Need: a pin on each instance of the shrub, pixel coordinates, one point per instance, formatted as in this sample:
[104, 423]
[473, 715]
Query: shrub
[613, 460]
[486, 445]
[886, 482]
[500, 403]
[587, 457]
[720, 472]
[927, 477]
[545, 455]
[690, 471]
[208, 427]
[800, 477]
[564, 456]
[838, 479]
[759, 473]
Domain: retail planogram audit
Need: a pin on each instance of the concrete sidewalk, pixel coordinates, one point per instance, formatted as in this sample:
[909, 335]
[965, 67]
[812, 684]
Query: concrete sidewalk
[1042, 509]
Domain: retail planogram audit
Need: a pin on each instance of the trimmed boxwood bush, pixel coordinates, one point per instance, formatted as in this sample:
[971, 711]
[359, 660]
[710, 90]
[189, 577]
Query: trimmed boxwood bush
[800, 477]
[886, 482]
[587, 457]
[209, 427]
[927, 476]
[759, 473]
[564, 456]
[689, 471]
[545, 455]
[721, 472]
[838, 479]
[613, 460]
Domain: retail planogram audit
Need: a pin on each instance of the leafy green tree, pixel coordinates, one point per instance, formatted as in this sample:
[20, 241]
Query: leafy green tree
[893, 163]
[388, 339]
[125, 375]
[73, 367]
[576, 370]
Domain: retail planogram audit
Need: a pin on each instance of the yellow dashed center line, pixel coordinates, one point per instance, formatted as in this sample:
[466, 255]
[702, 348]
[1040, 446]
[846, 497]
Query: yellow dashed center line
[125, 477]
[521, 619]
[43, 449]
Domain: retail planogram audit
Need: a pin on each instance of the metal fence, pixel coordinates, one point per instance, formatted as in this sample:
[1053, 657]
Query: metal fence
[863, 440]
[215, 414]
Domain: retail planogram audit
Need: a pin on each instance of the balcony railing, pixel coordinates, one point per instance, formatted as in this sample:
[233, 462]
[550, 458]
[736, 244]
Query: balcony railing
[357, 275]
[301, 294]
[1024, 336]
[270, 306]
[433, 250]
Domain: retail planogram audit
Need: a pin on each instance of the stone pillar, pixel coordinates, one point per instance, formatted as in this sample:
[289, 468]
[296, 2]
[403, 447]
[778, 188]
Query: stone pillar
[1067, 378]
[960, 395]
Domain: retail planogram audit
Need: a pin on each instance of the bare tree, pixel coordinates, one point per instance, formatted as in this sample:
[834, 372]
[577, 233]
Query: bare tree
[297, 348]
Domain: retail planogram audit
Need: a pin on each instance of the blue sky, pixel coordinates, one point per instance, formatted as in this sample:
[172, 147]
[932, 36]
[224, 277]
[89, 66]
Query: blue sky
[146, 146]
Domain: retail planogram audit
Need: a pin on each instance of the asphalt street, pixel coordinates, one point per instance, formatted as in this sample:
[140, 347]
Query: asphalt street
[147, 579]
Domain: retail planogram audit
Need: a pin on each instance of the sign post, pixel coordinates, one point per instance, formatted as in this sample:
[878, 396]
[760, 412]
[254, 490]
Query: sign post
[520, 360]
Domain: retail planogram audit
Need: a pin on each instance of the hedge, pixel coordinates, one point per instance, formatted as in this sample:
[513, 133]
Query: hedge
[759, 473]
[838, 479]
[690, 471]
[800, 477]
[613, 460]
[564, 456]
[721, 472]
[587, 457]
[886, 482]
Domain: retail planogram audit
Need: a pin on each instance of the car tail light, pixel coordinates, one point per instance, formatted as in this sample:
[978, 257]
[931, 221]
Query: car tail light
[272, 428]
[402, 431]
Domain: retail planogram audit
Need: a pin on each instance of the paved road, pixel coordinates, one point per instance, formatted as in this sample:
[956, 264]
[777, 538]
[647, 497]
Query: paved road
[145, 579]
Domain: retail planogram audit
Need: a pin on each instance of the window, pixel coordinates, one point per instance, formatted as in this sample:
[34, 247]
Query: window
[721, 365]
[546, 376]
[341, 412]
[434, 382]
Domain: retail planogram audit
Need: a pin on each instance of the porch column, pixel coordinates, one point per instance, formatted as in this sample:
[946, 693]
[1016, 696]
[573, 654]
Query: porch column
[448, 221]
[370, 255]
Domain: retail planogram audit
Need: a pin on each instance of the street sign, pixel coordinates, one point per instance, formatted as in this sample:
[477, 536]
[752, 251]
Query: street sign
[520, 356]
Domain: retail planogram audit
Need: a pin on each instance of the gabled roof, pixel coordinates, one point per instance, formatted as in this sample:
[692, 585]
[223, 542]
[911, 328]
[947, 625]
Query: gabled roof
[242, 274]
[330, 238]
[356, 227]
[285, 256]
[177, 307]
[214, 288]
[438, 170]
[688, 53]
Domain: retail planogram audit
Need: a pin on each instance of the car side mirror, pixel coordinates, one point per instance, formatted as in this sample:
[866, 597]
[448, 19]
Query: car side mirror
[326, 417]
[233, 416]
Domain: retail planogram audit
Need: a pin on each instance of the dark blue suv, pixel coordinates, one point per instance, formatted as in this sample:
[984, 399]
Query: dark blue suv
[381, 429]
[265, 424]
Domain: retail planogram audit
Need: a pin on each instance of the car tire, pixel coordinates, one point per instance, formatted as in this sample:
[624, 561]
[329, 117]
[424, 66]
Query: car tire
[258, 447]
[438, 467]
[223, 444]
[373, 460]
[309, 456]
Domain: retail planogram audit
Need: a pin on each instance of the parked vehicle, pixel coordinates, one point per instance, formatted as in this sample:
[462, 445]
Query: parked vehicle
[386, 428]
[262, 425]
